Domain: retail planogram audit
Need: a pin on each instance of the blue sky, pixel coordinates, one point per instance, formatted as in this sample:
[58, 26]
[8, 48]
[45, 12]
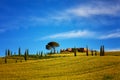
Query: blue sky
[31, 24]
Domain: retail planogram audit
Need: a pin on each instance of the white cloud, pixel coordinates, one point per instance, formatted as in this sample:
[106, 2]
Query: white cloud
[70, 34]
[115, 34]
[95, 9]
[68, 15]
[113, 49]
[55, 19]
[61, 17]
[84, 34]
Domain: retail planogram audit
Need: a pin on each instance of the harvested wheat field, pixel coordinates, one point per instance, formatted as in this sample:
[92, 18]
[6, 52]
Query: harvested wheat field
[64, 68]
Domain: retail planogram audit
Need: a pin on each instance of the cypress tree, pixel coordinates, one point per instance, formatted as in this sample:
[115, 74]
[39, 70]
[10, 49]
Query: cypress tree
[41, 53]
[103, 50]
[95, 53]
[19, 52]
[25, 55]
[86, 50]
[6, 56]
[27, 52]
[8, 52]
[75, 52]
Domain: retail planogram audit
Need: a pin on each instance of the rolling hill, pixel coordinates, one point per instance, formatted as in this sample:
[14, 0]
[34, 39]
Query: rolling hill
[67, 67]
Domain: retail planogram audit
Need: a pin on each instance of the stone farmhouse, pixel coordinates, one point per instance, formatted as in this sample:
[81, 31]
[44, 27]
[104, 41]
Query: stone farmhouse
[72, 50]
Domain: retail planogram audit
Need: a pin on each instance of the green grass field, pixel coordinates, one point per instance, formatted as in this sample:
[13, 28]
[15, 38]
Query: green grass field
[64, 67]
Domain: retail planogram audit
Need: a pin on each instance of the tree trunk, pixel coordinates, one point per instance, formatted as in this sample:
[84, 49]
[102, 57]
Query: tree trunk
[54, 50]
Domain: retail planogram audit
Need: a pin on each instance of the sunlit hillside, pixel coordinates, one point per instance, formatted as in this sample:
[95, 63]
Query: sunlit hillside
[64, 67]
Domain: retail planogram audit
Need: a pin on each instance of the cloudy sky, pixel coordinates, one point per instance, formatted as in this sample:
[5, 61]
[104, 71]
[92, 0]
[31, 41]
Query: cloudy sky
[31, 24]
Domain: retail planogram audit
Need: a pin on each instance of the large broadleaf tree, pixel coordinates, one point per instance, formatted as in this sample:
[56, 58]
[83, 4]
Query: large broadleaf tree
[52, 45]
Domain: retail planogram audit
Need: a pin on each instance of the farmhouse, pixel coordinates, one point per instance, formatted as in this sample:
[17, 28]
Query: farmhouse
[81, 49]
[72, 49]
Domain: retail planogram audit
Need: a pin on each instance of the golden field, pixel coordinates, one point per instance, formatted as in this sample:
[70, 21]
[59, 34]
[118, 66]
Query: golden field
[63, 67]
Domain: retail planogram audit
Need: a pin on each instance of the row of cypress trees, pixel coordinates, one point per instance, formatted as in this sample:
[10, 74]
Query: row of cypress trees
[102, 51]
[8, 53]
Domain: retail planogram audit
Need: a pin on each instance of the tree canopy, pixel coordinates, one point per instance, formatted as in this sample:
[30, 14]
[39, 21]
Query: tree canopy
[52, 45]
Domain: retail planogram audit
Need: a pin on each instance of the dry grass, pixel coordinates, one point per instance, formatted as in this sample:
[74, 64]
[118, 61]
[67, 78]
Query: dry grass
[64, 68]
[113, 53]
